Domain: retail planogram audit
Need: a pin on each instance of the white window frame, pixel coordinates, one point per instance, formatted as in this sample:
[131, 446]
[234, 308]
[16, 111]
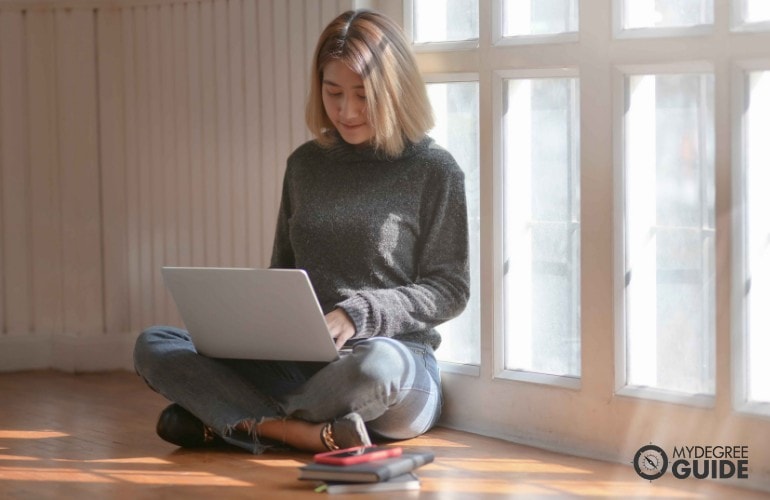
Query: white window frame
[739, 358]
[500, 371]
[620, 99]
[471, 370]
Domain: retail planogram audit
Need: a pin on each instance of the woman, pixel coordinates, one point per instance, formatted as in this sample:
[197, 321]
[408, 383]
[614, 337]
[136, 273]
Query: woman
[375, 213]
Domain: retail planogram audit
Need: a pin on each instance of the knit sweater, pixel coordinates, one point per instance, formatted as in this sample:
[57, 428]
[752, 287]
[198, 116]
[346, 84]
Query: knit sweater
[384, 239]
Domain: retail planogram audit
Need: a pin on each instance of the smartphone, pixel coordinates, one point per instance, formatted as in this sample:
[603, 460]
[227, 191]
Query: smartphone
[357, 455]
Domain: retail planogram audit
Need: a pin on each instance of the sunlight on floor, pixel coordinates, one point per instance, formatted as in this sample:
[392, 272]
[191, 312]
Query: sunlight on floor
[145, 477]
[6, 434]
[98, 471]
[426, 441]
[133, 460]
[504, 465]
[172, 478]
[478, 486]
[17, 458]
[283, 463]
[550, 487]
[614, 489]
[53, 475]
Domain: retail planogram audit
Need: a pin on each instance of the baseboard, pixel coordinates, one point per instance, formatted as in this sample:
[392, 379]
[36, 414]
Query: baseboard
[25, 352]
[68, 353]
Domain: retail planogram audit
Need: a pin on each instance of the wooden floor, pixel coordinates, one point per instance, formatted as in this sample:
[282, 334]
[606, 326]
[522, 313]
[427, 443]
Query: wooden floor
[81, 436]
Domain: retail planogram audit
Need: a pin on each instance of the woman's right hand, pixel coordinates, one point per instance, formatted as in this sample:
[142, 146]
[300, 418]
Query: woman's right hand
[341, 327]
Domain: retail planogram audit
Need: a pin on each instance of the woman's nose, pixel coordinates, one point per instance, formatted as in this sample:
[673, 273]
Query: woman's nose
[349, 108]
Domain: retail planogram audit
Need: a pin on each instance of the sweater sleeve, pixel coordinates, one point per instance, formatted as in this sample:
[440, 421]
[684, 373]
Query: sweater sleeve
[442, 287]
[283, 253]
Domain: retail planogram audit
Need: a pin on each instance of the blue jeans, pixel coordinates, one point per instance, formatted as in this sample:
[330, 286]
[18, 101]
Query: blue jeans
[395, 386]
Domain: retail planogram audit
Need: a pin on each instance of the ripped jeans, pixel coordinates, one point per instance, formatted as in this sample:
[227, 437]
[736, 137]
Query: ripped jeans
[395, 386]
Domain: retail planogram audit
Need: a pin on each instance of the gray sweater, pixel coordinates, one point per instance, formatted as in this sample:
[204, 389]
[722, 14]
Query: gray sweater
[384, 239]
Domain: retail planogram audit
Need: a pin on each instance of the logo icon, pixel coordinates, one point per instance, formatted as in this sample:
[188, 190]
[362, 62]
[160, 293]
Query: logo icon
[650, 462]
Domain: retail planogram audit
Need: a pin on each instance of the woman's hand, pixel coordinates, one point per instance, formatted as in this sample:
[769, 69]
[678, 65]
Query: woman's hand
[340, 327]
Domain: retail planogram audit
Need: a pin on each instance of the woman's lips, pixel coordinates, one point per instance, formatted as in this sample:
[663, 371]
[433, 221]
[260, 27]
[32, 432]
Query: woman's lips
[353, 126]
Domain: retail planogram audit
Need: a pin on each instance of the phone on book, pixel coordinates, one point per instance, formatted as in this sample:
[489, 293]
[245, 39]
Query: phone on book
[357, 455]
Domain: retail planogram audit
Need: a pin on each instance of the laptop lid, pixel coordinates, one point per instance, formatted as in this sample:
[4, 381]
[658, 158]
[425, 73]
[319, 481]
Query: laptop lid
[270, 314]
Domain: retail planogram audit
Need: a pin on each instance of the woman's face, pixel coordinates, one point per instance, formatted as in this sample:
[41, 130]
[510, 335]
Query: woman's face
[344, 100]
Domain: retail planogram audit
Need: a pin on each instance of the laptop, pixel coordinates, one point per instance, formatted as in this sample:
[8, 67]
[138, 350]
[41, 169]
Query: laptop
[269, 314]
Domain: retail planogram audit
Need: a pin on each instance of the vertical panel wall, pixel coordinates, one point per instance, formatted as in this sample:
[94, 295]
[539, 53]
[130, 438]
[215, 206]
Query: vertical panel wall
[133, 136]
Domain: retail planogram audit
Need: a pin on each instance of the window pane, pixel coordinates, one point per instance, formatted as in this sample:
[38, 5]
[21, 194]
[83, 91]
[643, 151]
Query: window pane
[757, 180]
[445, 20]
[667, 13]
[456, 108]
[542, 226]
[669, 232]
[539, 17]
[755, 11]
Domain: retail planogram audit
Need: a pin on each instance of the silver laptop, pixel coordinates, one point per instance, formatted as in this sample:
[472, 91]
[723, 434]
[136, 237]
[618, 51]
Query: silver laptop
[270, 314]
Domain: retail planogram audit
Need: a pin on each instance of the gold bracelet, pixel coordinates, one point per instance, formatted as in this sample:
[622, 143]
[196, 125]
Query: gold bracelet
[328, 438]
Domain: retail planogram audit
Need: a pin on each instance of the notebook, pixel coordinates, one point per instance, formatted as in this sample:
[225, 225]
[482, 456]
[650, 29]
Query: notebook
[408, 481]
[270, 314]
[367, 472]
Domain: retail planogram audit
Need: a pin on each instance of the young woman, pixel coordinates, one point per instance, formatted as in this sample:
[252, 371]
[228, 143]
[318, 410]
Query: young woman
[375, 212]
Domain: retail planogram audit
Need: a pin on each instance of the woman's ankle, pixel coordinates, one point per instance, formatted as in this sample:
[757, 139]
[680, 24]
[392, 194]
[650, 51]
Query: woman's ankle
[298, 434]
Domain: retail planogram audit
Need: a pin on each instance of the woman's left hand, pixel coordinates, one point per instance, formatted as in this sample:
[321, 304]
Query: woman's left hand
[340, 326]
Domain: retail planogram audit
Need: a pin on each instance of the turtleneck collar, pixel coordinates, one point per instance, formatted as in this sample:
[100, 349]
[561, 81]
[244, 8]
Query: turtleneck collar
[342, 150]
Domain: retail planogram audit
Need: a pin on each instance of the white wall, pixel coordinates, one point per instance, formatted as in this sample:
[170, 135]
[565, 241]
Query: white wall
[135, 135]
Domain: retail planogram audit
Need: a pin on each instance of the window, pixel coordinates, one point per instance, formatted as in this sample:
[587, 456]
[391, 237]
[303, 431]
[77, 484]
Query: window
[662, 17]
[758, 235]
[756, 11]
[541, 224]
[444, 20]
[521, 18]
[606, 216]
[753, 248]
[669, 232]
[751, 15]
[456, 109]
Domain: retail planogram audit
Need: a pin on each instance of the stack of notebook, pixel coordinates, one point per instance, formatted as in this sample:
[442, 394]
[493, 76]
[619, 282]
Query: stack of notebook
[386, 474]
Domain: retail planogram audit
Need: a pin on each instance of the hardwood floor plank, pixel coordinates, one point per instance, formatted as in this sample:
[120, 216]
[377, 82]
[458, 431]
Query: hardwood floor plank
[92, 435]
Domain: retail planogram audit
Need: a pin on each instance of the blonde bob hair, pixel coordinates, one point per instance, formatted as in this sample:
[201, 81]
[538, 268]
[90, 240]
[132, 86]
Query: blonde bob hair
[374, 47]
